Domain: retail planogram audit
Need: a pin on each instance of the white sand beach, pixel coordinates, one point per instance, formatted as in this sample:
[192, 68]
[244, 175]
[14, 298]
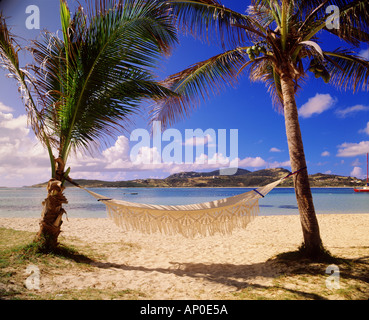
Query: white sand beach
[174, 267]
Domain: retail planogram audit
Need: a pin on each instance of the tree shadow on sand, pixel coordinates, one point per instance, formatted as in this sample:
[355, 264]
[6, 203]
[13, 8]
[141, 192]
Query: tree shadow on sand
[250, 276]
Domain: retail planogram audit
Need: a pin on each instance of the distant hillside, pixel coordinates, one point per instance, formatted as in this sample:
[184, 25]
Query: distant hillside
[243, 178]
[216, 173]
[97, 184]
[324, 180]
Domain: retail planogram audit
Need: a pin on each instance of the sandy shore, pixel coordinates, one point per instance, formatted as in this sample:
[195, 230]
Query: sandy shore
[173, 267]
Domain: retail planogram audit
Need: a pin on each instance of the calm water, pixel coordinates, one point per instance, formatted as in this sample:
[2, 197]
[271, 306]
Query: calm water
[26, 202]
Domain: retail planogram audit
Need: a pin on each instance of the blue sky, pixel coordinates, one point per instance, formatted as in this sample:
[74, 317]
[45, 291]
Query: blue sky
[334, 123]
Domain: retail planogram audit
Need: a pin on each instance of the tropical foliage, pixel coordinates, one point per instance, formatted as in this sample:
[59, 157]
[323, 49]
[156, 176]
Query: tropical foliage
[84, 86]
[276, 42]
[272, 35]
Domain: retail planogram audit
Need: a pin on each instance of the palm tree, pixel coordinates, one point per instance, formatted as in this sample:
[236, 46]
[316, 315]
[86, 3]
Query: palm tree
[84, 87]
[275, 42]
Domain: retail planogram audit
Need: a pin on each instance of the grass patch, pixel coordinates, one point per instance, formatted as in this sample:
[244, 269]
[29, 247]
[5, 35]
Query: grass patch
[287, 276]
[96, 294]
[18, 251]
[303, 279]
[10, 238]
[300, 254]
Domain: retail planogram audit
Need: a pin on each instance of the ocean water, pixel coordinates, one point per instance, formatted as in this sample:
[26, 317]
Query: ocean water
[26, 202]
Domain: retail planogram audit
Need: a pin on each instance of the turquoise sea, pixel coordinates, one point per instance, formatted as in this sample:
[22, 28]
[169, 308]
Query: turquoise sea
[26, 202]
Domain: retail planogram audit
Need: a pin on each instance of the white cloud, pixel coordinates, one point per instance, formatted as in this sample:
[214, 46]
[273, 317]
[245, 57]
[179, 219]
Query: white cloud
[316, 105]
[364, 54]
[120, 150]
[328, 172]
[24, 161]
[217, 161]
[325, 154]
[22, 158]
[198, 141]
[357, 172]
[148, 156]
[342, 113]
[5, 108]
[277, 164]
[13, 127]
[353, 149]
[274, 150]
[117, 158]
[256, 162]
[112, 159]
[365, 130]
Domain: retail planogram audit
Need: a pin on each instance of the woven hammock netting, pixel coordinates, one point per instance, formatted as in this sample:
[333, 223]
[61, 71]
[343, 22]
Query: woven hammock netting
[201, 219]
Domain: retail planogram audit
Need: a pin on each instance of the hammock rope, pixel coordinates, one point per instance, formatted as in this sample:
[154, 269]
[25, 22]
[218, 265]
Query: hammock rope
[201, 219]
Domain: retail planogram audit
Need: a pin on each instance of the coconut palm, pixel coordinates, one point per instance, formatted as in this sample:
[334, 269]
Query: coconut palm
[275, 42]
[82, 88]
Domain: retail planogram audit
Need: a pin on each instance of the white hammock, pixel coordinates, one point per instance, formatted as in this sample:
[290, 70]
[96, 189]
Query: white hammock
[208, 218]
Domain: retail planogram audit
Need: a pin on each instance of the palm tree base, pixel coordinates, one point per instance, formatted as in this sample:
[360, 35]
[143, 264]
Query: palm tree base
[47, 237]
[314, 253]
[51, 217]
[302, 254]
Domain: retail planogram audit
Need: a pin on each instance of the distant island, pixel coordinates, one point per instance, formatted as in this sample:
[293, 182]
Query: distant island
[242, 178]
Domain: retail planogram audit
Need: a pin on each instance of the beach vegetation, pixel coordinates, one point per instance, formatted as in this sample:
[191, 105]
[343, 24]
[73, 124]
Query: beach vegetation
[284, 277]
[18, 251]
[280, 44]
[306, 280]
[84, 86]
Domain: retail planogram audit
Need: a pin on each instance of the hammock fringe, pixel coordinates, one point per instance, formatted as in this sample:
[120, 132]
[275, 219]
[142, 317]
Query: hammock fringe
[202, 219]
[189, 224]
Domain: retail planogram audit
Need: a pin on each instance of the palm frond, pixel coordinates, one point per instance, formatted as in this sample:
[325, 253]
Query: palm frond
[294, 39]
[353, 17]
[348, 71]
[263, 13]
[197, 83]
[209, 20]
[8, 47]
[95, 78]
[263, 70]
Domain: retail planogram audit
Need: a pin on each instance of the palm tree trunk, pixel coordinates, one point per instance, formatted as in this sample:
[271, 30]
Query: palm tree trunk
[310, 228]
[51, 216]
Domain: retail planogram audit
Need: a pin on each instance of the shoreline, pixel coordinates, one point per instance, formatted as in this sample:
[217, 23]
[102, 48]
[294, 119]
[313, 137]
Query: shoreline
[31, 224]
[251, 187]
[80, 216]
